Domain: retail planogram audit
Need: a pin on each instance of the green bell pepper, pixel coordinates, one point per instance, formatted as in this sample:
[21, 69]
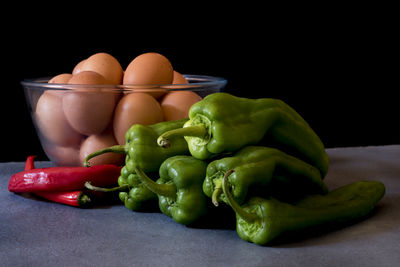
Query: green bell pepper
[225, 123]
[179, 188]
[141, 150]
[262, 220]
[137, 197]
[141, 146]
[265, 170]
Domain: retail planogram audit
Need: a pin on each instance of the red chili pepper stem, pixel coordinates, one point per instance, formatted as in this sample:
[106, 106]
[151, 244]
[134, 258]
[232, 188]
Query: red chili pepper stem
[30, 163]
[83, 199]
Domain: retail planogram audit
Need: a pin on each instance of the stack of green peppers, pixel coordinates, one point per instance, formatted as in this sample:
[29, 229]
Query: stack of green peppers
[257, 156]
[142, 151]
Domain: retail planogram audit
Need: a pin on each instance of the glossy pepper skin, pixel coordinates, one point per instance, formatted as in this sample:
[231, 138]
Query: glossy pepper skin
[179, 188]
[76, 198]
[262, 220]
[225, 123]
[62, 178]
[141, 150]
[262, 170]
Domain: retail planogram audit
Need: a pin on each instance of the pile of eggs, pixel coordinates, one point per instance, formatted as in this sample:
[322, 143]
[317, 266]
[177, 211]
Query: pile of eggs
[75, 122]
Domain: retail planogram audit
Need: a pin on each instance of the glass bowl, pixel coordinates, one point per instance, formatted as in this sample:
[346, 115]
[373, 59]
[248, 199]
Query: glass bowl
[73, 120]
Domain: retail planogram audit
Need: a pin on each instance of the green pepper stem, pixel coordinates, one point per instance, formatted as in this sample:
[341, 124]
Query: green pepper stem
[216, 193]
[218, 188]
[121, 149]
[198, 130]
[248, 217]
[166, 190]
[89, 186]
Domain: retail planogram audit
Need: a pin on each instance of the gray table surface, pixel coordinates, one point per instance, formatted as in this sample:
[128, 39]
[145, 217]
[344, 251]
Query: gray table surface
[34, 232]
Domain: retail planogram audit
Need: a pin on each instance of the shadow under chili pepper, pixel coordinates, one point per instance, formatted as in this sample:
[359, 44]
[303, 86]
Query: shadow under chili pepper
[102, 200]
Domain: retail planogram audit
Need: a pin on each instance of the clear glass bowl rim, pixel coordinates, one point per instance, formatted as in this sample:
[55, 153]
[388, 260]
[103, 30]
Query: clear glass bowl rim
[196, 82]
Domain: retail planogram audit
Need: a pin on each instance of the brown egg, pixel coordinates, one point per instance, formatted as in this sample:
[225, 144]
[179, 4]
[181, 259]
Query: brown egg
[99, 141]
[88, 110]
[106, 65]
[149, 68]
[87, 77]
[78, 67]
[179, 78]
[52, 122]
[176, 104]
[135, 108]
[61, 78]
[156, 91]
[91, 77]
[63, 156]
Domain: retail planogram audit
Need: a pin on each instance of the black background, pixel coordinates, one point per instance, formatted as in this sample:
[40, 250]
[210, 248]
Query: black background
[337, 70]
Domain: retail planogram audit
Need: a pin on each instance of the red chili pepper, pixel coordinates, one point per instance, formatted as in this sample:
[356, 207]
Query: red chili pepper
[63, 179]
[75, 198]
